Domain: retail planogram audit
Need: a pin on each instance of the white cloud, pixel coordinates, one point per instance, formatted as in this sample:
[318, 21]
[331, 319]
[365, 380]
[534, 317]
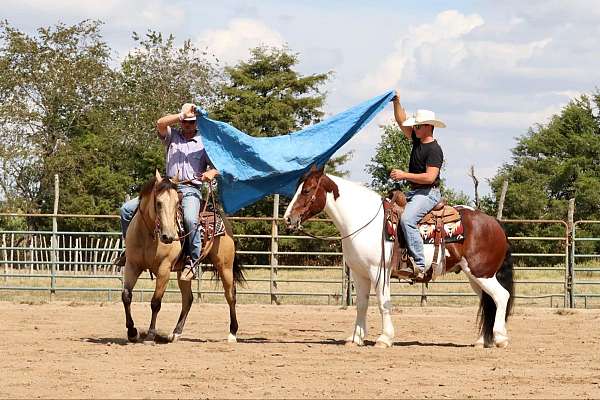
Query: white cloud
[233, 43]
[154, 14]
[419, 45]
[511, 119]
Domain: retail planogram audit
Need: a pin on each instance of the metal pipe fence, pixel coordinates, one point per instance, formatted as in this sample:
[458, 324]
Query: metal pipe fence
[585, 264]
[280, 269]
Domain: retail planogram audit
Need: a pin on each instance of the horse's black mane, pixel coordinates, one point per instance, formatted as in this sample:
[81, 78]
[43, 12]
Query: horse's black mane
[163, 185]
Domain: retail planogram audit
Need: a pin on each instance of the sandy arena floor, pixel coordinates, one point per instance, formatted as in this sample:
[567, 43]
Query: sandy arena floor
[66, 350]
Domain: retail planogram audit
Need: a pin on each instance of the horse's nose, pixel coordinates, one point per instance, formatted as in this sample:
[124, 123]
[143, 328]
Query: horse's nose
[166, 239]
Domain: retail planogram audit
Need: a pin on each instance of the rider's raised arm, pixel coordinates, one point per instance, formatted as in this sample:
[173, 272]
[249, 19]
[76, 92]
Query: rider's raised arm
[400, 116]
[162, 125]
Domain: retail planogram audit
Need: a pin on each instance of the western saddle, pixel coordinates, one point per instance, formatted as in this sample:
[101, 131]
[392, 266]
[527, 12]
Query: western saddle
[402, 264]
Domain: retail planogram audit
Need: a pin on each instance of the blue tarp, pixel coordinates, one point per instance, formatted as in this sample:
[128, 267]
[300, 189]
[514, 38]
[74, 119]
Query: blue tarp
[252, 168]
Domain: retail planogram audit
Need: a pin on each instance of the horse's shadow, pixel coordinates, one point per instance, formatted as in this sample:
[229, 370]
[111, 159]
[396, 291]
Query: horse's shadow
[331, 342]
[429, 344]
[106, 341]
[161, 339]
[262, 340]
[122, 341]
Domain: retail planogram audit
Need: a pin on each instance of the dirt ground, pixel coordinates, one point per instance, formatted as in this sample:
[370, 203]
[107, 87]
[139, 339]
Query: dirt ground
[70, 350]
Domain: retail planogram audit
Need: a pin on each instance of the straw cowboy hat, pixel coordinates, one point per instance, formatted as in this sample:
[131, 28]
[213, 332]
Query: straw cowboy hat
[185, 108]
[424, 117]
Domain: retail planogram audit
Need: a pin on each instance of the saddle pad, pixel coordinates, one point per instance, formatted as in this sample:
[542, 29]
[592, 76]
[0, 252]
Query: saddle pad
[211, 225]
[453, 232]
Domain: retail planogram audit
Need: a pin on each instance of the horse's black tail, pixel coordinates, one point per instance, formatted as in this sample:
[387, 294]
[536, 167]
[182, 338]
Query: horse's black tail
[487, 306]
[238, 271]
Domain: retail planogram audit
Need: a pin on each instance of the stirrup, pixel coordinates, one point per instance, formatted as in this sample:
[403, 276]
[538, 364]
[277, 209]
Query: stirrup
[423, 276]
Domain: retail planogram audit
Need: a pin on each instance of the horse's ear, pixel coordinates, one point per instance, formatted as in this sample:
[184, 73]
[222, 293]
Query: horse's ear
[176, 179]
[157, 175]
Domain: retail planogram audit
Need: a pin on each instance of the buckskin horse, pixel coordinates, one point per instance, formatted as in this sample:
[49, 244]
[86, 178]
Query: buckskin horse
[152, 243]
[357, 212]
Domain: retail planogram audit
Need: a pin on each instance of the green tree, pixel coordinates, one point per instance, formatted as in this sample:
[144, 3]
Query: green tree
[65, 111]
[551, 164]
[50, 84]
[265, 96]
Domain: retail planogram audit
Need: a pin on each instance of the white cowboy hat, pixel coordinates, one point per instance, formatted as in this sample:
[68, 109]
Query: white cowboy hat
[424, 117]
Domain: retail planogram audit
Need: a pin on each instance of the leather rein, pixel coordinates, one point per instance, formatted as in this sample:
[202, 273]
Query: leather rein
[156, 230]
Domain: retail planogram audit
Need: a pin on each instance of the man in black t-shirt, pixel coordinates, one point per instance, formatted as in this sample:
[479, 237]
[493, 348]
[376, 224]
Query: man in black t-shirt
[426, 159]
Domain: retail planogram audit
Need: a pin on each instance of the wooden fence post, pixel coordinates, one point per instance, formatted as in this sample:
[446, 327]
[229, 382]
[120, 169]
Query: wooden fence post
[501, 202]
[54, 241]
[274, 251]
[570, 273]
[5, 257]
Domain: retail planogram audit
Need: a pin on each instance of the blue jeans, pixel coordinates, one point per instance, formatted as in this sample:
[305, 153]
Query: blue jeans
[420, 202]
[190, 202]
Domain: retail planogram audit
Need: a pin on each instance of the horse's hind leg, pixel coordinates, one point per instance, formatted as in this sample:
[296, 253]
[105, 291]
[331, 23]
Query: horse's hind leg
[162, 279]
[187, 298]
[382, 289]
[131, 275]
[491, 288]
[480, 342]
[226, 274]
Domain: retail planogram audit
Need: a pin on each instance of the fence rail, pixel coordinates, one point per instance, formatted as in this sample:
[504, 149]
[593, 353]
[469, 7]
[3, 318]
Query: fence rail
[58, 262]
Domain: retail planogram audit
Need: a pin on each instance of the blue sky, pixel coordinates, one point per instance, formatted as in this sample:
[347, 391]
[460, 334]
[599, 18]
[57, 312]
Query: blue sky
[489, 69]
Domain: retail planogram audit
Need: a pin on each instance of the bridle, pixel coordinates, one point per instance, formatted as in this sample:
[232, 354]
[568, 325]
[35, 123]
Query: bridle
[314, 195]
[156, 230]
[312, 199]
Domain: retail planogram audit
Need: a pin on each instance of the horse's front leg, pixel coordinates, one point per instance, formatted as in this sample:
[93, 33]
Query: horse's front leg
[131, 275]
[162, 279]
[187, 298]
[382, 289]
[363, 288]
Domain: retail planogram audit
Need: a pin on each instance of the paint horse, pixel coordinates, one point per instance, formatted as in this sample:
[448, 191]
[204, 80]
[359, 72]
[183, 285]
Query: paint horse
[153, 243]
[357, 212]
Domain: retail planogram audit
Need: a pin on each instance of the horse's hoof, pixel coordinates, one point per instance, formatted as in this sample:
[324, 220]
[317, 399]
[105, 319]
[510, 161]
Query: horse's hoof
[231, 338]
[174, 337]
[354, 342]
[133, 335]
[500, 339]
[479, 344]
[150, 336]
[383, 342]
